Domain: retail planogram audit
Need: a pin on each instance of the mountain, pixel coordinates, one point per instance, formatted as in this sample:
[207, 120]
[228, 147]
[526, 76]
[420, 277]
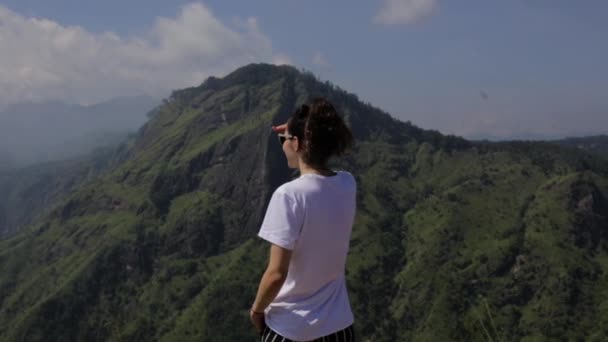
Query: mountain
[29, 193]
[597, 144]
[49, 131]
[526, 136]
[529, 136]
[453, 240]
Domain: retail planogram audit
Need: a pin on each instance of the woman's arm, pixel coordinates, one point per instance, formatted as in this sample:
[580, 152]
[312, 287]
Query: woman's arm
[270, 284]
[273, 278]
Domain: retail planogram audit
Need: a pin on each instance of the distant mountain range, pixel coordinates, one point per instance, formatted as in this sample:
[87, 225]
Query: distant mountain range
[530, 136]
[50, 131]
[454, 240]
[597, 144]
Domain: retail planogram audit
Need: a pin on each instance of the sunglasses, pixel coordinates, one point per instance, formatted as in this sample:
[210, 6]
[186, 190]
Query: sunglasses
[285, 136]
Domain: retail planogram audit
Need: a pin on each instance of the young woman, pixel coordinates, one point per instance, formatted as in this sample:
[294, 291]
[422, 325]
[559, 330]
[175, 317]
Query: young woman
[302, 295]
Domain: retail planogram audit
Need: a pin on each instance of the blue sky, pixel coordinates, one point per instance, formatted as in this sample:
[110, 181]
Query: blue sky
[470, 67]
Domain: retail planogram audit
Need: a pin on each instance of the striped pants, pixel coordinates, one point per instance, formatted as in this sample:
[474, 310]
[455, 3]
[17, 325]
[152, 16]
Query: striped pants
[346, 335]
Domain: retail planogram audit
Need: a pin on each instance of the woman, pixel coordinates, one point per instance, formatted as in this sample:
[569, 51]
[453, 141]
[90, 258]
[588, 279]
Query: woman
[302, 295]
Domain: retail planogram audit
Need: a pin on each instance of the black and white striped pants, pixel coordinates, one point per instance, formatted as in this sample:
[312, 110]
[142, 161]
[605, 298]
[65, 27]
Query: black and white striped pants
[346, 335]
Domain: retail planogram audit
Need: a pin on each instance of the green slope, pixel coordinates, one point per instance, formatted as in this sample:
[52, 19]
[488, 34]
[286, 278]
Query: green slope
[453, 240]
[29, 193]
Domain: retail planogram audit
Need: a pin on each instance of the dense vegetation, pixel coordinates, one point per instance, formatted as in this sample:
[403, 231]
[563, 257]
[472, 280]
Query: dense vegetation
[453, 240]
[597, 144]
[28, 193]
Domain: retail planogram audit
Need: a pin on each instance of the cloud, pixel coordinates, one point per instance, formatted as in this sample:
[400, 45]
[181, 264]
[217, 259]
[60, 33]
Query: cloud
[319, 60]
[395, 12]
[42, 59]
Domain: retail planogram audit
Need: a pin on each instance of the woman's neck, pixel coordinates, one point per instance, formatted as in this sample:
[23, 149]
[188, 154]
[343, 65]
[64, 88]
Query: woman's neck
[324, 170]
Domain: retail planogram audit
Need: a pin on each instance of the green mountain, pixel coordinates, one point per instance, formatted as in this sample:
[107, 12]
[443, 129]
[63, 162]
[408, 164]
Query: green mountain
[29, 193]
[597, 144]
[453, 240]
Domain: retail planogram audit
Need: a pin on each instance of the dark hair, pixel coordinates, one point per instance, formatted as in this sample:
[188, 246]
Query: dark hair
[321, 131]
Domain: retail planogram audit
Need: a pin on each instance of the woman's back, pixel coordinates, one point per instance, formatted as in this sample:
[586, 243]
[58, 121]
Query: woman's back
[302, 294]
[312, 216]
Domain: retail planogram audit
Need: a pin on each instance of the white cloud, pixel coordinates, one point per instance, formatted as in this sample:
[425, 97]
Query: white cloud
[319, 60]
[394, 12]
[42, 59]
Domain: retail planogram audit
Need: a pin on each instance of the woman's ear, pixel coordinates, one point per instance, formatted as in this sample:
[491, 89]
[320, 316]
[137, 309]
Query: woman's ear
[297, 146]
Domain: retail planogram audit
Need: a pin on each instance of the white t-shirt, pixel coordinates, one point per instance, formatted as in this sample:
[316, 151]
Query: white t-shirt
[312, 216]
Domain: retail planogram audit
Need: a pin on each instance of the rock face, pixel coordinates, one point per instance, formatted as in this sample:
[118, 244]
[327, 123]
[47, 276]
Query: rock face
[453, 240]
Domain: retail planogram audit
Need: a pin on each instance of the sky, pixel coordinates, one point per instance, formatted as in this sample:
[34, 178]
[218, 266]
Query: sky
[475, 68]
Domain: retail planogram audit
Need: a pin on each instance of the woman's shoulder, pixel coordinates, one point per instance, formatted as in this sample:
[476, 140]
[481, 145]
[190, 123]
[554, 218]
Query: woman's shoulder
[289, 188]
[347, 176]
[311, 182]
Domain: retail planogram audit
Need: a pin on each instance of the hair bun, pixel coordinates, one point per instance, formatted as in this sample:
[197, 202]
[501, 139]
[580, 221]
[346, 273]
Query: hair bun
[322, 131]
